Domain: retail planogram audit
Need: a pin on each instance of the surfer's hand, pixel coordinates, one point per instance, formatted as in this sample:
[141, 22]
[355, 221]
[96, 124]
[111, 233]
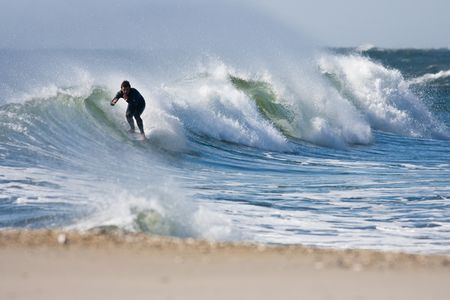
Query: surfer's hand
[113, 102]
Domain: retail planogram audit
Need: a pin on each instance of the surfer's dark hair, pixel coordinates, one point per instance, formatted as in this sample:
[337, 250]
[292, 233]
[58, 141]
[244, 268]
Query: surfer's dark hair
[125, 83]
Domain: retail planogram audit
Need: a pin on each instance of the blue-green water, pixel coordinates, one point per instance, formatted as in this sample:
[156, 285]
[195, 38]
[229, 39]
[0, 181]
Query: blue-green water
[341, 149]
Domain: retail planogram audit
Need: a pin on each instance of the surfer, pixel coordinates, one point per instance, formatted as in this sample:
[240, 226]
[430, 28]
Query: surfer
[136, 105]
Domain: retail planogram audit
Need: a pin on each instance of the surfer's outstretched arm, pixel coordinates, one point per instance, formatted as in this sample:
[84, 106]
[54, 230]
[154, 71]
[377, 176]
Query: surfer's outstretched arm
[114, 101]
[119, 95]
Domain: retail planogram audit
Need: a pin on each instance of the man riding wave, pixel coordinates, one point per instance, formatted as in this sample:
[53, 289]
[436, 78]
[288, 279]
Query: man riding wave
[136, 105]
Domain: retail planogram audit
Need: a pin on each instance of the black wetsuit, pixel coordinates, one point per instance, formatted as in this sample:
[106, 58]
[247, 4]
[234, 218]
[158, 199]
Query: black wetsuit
[136, 105]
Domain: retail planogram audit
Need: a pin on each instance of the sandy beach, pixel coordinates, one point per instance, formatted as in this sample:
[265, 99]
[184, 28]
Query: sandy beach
[98, 265]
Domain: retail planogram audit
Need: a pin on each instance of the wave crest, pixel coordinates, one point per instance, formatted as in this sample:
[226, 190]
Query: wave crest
[382, 95]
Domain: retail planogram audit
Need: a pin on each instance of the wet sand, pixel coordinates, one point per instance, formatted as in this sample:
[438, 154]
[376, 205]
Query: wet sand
[114, 265]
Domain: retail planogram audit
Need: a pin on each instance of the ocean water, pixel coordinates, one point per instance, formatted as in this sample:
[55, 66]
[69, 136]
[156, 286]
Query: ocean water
[335, 148]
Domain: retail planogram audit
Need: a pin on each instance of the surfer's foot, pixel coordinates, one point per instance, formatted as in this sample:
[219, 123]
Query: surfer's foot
[131, 130]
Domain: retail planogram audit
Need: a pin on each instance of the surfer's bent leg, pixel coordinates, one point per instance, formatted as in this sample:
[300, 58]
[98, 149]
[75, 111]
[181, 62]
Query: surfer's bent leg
[140, 124]
[137, 116]
[129, 115]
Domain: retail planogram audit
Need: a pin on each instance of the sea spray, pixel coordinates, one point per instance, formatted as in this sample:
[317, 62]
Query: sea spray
[382, 95]
[162, 210]
[209, 104]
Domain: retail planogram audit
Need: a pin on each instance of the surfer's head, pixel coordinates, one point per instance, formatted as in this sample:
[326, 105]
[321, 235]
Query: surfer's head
[125, 87]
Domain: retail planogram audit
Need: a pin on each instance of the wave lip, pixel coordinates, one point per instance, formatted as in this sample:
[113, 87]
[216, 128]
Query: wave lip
[208, 104]
[365, 47]
[382, 95]
[430, 77]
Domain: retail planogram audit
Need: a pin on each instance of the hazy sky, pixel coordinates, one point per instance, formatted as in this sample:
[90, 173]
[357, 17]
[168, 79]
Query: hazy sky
[385, 23]
[108, 23]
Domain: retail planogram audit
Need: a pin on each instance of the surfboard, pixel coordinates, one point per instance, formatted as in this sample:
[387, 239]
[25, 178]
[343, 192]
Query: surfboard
[136, 136]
